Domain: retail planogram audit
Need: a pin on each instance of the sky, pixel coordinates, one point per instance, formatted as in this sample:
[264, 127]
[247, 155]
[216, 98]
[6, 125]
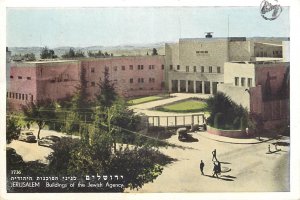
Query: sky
[82, 27]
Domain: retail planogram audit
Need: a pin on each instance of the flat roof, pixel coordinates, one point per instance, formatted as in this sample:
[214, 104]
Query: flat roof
[48, 61]
[258, 62]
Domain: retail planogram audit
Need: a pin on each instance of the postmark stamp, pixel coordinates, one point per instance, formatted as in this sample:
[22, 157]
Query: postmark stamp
[270, 10]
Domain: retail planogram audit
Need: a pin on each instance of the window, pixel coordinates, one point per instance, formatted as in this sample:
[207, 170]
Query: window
[115, 68]
[195, 68]
[93, 84]
[6, 94]
[19, 77]
[142, 80]
[171, 67]
[151, 66]
[140, 67]
[93, 70]
[11, 77]
[13, 95]
[23, 96]
[219, 69]
[151, 80]
[236, 81]
[131, 67]
[10, 95]
[162, 67]
[243, 82]
[210, 69]
[26, 97]
[178, 67]
[131, 80]
[187, 68]
[28, 78]
[202, 69]
[249, 82]
[123, 67]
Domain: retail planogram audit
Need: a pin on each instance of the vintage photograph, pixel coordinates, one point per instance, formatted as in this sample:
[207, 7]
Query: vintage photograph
[148, 99]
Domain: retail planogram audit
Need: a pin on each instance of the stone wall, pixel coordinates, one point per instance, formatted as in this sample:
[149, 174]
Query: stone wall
[227, 133]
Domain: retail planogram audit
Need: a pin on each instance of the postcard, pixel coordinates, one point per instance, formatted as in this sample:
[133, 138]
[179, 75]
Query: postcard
[122, 100]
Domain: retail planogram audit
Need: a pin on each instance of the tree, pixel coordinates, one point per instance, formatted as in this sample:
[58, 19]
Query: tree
[29, 57]
[40, 112]
[107, 94]
[154, 52]
[73, 54]
[47, 53]
[79, 108]
[256, 123]
[13, 128]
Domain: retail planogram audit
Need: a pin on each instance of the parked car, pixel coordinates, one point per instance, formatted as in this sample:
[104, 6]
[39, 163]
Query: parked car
[27, 137]
[48, 141]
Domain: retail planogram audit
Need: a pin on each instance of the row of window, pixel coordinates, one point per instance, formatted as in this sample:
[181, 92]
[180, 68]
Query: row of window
[13, 95]
[243, 81]
[202, 70]
[20, 77]
[139, 67]
[201, 52]
[265, 54]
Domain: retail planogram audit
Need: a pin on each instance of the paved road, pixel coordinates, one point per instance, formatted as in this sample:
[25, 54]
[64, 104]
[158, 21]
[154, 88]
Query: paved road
[251, 168]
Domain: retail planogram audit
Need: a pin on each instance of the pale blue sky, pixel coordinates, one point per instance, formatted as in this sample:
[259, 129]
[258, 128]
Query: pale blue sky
[80, 27]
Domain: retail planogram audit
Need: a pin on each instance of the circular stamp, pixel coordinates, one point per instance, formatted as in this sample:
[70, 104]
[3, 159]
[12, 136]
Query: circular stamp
[270, 9]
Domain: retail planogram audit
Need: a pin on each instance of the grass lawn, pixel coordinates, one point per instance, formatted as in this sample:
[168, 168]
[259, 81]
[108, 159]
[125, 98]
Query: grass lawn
[144, 100]
[185, 106]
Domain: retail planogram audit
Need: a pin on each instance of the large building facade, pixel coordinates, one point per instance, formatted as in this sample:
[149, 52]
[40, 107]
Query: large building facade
[58, 80]
[198, 65]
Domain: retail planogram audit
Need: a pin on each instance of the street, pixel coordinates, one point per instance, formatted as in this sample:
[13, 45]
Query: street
[251, 169]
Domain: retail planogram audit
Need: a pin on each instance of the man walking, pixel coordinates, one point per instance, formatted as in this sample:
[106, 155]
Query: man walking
[216, 170]
[214, 154]
[201, 167]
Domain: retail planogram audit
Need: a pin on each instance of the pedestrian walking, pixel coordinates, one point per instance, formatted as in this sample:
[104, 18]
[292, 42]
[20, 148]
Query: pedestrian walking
[275, 147]
[215, 170]
[202, 167]
[269, 148]
[219, 167]
[214, 154]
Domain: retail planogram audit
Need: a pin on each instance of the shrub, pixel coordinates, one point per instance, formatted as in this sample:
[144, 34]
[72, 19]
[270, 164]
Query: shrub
[232, 113]
[236, 123]
[218, 120]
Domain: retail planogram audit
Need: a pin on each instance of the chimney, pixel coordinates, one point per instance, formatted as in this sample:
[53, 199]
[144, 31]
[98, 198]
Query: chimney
[208, 34]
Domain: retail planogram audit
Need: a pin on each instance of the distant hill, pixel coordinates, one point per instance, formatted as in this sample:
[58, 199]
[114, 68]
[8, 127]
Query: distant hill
[126, 50]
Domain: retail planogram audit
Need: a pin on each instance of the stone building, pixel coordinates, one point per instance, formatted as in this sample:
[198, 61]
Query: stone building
[57, 80]
[260, 86]
[197, 65]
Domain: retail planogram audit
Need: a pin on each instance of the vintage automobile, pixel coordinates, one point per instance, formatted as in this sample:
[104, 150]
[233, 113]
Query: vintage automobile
[48, 141]
[27, 137]
[182, 134]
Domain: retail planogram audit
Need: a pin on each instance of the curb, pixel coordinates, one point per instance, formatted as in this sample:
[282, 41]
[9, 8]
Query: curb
[231, 142]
